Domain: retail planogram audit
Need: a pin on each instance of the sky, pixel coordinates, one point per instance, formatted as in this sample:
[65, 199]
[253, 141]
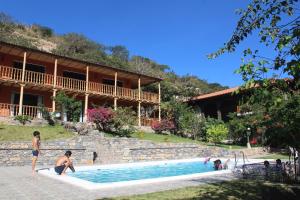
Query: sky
[178, 33]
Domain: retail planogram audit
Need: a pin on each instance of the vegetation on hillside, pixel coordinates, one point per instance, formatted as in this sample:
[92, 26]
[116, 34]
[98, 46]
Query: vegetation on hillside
[79, 46]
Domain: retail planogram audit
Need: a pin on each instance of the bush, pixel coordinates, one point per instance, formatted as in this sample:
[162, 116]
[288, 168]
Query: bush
[46, 115]
[23, 119]
[216, 133]
[68, 105]
[124, 121]
[163, 125]
[102, 117]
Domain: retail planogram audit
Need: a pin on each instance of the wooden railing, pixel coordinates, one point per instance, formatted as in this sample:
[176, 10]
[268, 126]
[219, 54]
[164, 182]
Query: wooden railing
[10, 73]
[38, 78]
[13, 110]
[99, 88]
[70, 83]
[127, 93]
[148, 96]
[148, 121]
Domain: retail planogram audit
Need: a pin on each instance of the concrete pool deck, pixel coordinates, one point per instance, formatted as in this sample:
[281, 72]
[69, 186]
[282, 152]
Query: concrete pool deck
[18, 183]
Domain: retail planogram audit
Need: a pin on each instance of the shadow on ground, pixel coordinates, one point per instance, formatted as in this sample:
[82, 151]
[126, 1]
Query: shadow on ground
[231, 190]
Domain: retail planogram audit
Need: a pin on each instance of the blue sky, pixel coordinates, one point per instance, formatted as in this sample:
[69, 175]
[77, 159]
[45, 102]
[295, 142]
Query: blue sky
[179, 33]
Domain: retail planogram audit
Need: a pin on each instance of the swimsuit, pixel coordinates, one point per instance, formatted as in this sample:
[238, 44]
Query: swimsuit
[59, 169]
[35, 153]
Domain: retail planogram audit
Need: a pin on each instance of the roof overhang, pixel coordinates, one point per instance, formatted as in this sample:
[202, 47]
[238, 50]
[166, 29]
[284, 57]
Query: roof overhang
[38, 55]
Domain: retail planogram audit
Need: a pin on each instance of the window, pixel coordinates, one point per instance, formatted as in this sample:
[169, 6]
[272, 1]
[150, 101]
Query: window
[74, 75]
[29, 67]
[112, 82]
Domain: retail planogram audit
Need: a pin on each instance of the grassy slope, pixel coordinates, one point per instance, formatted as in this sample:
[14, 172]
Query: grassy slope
[24, 133]
[176, 139]
[232, 190]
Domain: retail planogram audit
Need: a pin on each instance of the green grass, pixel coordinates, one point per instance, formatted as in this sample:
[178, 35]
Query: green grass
[231, 190]
[24, 133]
[177, 139]
[275, 156]
[163, 138]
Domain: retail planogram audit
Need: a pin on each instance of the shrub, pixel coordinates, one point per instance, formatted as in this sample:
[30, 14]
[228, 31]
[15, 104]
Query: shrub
[23, 119]
[102, 117]
[68, 105]
[124, 121]
[216, 133]
[46, 115]
[163, 125]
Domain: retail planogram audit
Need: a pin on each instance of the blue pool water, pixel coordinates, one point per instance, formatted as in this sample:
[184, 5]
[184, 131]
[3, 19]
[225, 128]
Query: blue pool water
[143, 172]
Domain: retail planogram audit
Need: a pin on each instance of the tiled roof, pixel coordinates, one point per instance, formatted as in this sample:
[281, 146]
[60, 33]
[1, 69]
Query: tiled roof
[215, 94]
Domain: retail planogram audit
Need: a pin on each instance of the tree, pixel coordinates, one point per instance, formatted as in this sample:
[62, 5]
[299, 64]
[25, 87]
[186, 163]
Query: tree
[216, 133]
[120, 52]
[68, 105]
[278, 25]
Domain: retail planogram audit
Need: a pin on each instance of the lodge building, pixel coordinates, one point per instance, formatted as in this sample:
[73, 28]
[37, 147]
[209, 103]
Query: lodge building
[30, 78]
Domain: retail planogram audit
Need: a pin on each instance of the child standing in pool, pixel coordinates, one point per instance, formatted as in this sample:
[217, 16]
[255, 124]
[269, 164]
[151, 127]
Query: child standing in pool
[36, 143]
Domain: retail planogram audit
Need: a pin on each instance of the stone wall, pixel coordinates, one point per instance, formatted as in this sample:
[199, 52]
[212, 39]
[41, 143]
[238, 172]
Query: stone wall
[110, 150]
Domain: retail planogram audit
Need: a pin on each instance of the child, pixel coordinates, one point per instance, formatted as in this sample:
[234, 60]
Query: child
[36, 142]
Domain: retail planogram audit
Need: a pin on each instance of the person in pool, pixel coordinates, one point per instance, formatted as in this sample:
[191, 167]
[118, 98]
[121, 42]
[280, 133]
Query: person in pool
[63, 163]
[36, 143]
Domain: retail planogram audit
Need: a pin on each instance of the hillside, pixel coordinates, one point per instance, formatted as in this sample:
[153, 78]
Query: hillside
[80, 47]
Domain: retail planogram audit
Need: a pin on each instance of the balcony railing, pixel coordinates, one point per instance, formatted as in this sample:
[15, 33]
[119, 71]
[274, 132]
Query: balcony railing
[148, 121]
[13, 110]
[10, 73]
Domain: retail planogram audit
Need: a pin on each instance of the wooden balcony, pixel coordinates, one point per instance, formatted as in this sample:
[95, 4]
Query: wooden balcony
[7, 110]
[74, 85]
[148, 121]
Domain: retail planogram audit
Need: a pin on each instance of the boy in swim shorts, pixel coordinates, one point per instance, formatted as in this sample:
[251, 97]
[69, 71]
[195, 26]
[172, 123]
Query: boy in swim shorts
[36, 143]
[63, 163]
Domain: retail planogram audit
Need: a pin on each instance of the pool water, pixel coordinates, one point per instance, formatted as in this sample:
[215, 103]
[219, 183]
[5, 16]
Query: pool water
[106, 175]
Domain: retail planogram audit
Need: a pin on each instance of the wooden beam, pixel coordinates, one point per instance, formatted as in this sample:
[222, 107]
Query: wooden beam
[53, 100]
[87, 79]
[139, 104]
[115, 91]
[24, 67]
[159, 99]
[21, 99]
[55, 73]
[86, 107]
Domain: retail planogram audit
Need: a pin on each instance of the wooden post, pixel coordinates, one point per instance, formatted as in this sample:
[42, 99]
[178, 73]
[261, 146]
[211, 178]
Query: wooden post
[55, 73]
[22, 85]
[139, 105]
[115, 91]
[24, 66]
[87, 79]
[54, 86]
[86, 101]
[21, 99]
[86, 107]
[159, 99]
[219, 113]
[53, 100]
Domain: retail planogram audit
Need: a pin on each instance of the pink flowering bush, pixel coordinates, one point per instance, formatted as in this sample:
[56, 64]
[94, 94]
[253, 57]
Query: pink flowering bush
[102, 117]
[164, 125]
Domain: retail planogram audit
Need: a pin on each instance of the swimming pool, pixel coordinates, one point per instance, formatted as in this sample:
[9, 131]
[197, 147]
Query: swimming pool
[106, 176]
[125, 173]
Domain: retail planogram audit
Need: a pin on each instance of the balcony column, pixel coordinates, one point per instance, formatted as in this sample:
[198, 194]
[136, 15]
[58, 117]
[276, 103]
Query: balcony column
[22, 85]
[159, 99]
[54, 86]
[139, 104]
[219, 113]
[115, 91]
[86, 101]
[53, 100]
